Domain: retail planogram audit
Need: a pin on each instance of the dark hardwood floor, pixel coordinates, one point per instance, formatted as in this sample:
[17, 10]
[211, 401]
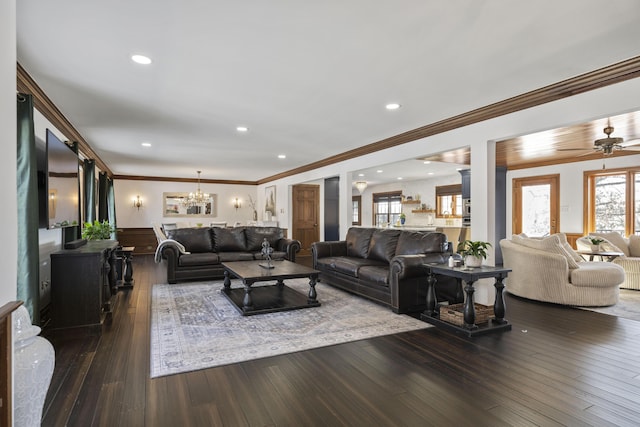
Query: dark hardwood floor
[558, 366]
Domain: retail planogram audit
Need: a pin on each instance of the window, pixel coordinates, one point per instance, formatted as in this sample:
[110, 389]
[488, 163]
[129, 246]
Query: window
[386, 208]
[613, 201]
[356, 210]
[449, 201]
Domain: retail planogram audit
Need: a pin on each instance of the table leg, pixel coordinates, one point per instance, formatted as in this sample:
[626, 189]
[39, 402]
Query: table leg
[227, 281]
[247, 303]
[431, 295]
[469, 308]
[313, 296]
[128, 270]
[498, 306]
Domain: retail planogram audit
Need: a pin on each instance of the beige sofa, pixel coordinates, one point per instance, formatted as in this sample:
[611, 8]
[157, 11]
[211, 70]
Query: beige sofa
[549, 270]
[630, 261]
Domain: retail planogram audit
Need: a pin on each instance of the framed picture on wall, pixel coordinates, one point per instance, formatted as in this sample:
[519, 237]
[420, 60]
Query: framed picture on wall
[174, 204]
[270, 199]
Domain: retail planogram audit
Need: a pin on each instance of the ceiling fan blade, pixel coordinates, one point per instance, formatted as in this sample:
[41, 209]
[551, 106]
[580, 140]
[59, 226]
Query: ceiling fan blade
[573, 149]
[631, 148]
[630, 143]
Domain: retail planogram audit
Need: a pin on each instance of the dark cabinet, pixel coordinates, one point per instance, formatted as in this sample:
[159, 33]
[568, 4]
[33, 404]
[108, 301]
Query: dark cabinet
[82, 284]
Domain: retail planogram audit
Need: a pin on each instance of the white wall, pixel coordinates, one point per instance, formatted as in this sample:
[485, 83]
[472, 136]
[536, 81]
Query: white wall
[152, 202]
[9, 214]
[424, 188]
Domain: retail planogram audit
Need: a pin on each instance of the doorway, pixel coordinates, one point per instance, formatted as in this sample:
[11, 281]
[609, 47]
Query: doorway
[536, 206]
[305, 216]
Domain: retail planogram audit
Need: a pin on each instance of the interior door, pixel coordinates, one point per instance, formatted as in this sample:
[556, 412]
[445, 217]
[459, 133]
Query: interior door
[306, 215]
[536, 210]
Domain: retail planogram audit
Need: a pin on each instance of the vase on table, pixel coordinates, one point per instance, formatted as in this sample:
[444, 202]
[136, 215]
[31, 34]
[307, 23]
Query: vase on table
[472, 261]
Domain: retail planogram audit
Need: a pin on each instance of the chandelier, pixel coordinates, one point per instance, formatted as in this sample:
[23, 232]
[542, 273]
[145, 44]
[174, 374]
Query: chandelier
[361, 185]
[198, 198]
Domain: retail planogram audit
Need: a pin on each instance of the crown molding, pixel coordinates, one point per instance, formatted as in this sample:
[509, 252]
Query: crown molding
[26, 85]
[202, 180]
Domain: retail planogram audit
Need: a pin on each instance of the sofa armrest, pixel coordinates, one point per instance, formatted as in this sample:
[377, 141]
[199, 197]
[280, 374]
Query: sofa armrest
[172, 255]
[405, 266]
[328, 249]
[290, 246]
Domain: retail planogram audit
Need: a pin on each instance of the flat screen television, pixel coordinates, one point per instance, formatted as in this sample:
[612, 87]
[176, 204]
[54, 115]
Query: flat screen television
[61, 197]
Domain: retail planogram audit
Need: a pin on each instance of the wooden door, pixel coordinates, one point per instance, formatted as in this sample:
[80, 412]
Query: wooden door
[306, 215]
[536, 205]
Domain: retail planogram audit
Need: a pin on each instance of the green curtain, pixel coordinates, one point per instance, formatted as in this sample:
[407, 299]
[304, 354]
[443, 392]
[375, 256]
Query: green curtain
[89, 190]
[27, 186]
[106, 201]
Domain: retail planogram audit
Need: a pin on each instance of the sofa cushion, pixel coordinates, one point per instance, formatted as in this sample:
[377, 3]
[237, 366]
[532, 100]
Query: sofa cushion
[229, 239]
[383, 245]
[550, 244]
[235, 256]
[597, 274]
[194, 240]
[358, 240]
[414, 243]
[613, 238]
[375, 273]
[347, 265]
[203, 258]
[634, 245]
[255, 236]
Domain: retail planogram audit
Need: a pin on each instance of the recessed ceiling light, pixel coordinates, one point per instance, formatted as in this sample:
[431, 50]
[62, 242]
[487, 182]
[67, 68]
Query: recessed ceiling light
[146, 144]
[282, 156]
[379, 171]
[426, 162]
[141, 59]
[430, 173]
[392, 106]
[399, 177]
[360, 174]
[242, 129]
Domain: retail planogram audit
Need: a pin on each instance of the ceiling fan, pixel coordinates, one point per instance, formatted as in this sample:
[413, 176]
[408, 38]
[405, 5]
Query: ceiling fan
[610, 144]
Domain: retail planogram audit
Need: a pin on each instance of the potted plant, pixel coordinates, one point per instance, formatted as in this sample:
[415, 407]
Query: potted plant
[595, 243]
[403, 218]
[473, 252]
[97, 230]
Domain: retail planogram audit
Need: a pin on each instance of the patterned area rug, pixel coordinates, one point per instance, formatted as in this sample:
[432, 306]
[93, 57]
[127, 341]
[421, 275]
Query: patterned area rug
[628, 306]
[193, 326]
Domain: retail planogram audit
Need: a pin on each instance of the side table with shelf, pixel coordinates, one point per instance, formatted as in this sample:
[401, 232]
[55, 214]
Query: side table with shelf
[469, 276]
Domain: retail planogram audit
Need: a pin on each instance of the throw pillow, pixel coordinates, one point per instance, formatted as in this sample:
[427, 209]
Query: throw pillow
[619, 244]
[567, 247]
[549, 244]
[634, 245]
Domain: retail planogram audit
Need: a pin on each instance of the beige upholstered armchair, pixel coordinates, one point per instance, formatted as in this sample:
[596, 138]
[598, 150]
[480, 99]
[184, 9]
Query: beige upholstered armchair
[630, 261]
[549, 270]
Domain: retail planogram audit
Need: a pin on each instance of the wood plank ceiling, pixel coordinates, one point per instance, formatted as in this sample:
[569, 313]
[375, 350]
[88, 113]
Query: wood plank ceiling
[557, 146]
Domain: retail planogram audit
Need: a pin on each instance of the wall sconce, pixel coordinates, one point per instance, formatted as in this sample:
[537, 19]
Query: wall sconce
[137, 202]
[237, 204]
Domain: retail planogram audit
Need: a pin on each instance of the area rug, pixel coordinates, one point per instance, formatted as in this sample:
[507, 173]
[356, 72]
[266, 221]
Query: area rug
[193, 326]
[628, 306]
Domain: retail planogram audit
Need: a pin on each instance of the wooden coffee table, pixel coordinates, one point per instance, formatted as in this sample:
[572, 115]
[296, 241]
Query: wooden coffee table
[269, 298]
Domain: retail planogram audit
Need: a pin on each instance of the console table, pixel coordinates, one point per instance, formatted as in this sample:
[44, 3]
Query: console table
[469, 276]
[83, 281]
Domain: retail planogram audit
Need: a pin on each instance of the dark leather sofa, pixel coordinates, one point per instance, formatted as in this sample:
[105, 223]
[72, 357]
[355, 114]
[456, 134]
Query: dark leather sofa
[208, 247]
[386, 265]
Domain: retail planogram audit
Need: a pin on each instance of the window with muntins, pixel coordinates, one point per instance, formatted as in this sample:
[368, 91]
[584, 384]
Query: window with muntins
[386, 208]
[612, 199]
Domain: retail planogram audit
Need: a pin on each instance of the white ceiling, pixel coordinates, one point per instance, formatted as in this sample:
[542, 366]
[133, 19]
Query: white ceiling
[310, 79]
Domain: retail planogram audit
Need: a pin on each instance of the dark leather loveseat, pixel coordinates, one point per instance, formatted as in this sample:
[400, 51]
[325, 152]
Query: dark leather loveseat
[208, 247]
[386, 265]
